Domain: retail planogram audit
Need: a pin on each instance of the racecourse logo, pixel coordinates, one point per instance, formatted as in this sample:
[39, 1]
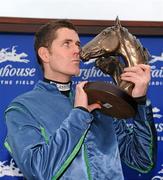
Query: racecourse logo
[160, 175]
[12, 72]
[156, 58]
[11, 55]
[90, 61]
[159, 126]
[156, 113]
[156, 70]
[9, 170]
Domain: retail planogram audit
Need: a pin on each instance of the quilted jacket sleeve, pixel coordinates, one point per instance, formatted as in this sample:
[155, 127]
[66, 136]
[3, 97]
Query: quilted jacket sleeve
[138, 144]
[39, 157]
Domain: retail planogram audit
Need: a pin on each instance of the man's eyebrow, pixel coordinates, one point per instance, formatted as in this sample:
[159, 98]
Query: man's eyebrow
[70, 40]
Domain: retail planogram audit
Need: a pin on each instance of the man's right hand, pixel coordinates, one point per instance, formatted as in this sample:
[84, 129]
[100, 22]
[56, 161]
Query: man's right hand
[81, 99]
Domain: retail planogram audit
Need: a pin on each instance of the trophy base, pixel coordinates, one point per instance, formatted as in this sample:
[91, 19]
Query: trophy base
[114, 101]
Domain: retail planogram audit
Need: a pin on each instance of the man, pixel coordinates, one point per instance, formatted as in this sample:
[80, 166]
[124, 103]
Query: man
[52, 136]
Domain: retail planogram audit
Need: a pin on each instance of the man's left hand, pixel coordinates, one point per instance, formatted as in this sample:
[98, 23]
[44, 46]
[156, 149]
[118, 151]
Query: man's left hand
[140, 76]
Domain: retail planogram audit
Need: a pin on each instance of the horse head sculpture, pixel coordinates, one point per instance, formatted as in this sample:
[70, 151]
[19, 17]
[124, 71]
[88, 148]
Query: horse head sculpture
[111, 44]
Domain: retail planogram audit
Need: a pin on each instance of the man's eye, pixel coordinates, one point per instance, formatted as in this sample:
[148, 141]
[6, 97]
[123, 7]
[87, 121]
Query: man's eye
[66, 44]
[78, 44]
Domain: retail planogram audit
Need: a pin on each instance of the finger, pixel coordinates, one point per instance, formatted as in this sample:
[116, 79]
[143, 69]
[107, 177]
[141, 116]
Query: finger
[129, 74]
[94, 106]
[146, 71]
[138, 67]
[135, 69]
[145, 67]
[82, 84]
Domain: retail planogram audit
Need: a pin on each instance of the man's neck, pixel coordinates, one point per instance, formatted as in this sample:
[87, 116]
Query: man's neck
[64, 88]
[58, 77]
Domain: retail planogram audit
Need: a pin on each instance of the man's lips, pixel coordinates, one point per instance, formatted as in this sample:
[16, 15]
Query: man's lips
[76, 61]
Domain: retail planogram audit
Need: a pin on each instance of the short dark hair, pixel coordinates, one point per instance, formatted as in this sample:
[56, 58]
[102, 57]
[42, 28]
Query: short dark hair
[47, 33]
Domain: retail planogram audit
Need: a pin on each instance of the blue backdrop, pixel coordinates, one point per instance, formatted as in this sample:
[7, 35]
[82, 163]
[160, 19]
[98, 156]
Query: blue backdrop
[19, 72]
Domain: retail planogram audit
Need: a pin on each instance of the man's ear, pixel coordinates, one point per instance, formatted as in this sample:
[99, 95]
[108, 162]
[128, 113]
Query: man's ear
[44, 54]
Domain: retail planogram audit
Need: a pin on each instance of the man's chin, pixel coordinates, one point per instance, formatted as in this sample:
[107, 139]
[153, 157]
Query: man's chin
[76, 73]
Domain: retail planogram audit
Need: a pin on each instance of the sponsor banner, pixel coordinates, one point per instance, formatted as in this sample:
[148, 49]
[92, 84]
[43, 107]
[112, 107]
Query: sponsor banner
[19, 72]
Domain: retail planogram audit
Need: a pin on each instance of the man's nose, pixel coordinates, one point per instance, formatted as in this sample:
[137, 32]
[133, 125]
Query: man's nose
[77, 49]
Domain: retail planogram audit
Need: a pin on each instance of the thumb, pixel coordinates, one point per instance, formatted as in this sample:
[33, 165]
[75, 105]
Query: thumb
[94, 106]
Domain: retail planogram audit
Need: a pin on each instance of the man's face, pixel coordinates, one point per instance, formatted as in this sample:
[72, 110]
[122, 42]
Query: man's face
[64, 54]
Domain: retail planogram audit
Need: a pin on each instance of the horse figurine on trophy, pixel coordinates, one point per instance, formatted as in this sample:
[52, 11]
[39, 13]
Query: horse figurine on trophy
[114, 48]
